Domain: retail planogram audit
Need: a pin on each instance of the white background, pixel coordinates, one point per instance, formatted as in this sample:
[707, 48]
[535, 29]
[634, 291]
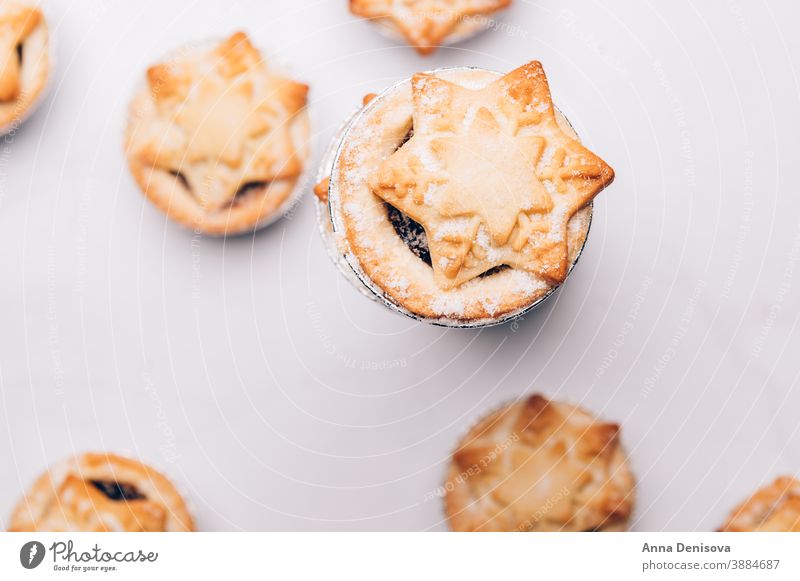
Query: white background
[279, 398]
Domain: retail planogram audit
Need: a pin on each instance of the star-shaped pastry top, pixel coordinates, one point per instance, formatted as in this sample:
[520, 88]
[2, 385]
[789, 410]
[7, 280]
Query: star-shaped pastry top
[425, 23]
[17, 21]
[491, 176]
[221, 122]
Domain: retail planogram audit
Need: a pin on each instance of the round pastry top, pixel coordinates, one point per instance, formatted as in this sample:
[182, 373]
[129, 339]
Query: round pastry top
[464, 196]
[773, 508]
[216, 139]
[539, 465]
[102, 492]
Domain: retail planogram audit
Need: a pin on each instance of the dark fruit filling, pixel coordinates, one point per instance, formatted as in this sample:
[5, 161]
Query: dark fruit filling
[181, 178]
[246, 189]
[117, 490]
[411, 232]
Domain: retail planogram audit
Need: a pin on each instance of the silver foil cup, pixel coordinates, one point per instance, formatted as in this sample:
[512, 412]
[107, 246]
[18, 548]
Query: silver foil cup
[330, 228]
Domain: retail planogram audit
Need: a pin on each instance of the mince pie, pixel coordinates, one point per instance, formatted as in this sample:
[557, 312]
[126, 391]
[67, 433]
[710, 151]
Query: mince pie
[774, 508]
[102, 492]
[25, 54]
[428, 24]
[462, 197]
[539, 465]
[217, 139]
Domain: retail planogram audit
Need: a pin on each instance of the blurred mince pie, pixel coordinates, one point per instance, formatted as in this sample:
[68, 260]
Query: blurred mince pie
[539, 465]
[102, 492]
[428, 24]
[774, 508]
[24, 50]
[217, 140]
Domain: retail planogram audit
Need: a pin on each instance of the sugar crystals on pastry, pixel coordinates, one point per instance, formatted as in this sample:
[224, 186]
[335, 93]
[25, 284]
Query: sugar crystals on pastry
[102, 492]
[539, 465]
[217, 139]
[774, 508]
[426, 24]
[480, 178]
[24, 59]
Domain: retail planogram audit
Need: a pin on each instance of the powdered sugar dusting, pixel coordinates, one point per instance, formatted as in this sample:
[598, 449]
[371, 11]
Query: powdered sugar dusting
[428, 159]
[400, 285]
[449, 304]
[454, 228]
[483, 240]
[527, 284]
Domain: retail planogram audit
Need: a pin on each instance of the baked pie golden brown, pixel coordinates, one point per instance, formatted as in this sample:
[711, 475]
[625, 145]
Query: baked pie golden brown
[539, 465]
[217, 140]
[24, 50]
[462, 196]
[102, 492]
[774, 508]
[427, 24]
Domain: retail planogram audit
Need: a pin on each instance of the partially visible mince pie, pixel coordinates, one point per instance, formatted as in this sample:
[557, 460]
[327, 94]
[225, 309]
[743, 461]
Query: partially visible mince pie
[25, 54]
[774, 508]
[102, 492]
[539, 465]
[217, 140]
[461, 197]
[428, 24]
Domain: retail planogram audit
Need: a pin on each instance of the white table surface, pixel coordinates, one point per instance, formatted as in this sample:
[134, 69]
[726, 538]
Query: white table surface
[278, 398]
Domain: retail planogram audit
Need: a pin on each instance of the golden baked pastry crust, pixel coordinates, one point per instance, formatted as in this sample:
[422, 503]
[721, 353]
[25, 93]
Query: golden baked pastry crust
[438, 177]
[774, 508]
[538, 465]
[426, 24]
[216, 140]
[71, 497]
[24, 60]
